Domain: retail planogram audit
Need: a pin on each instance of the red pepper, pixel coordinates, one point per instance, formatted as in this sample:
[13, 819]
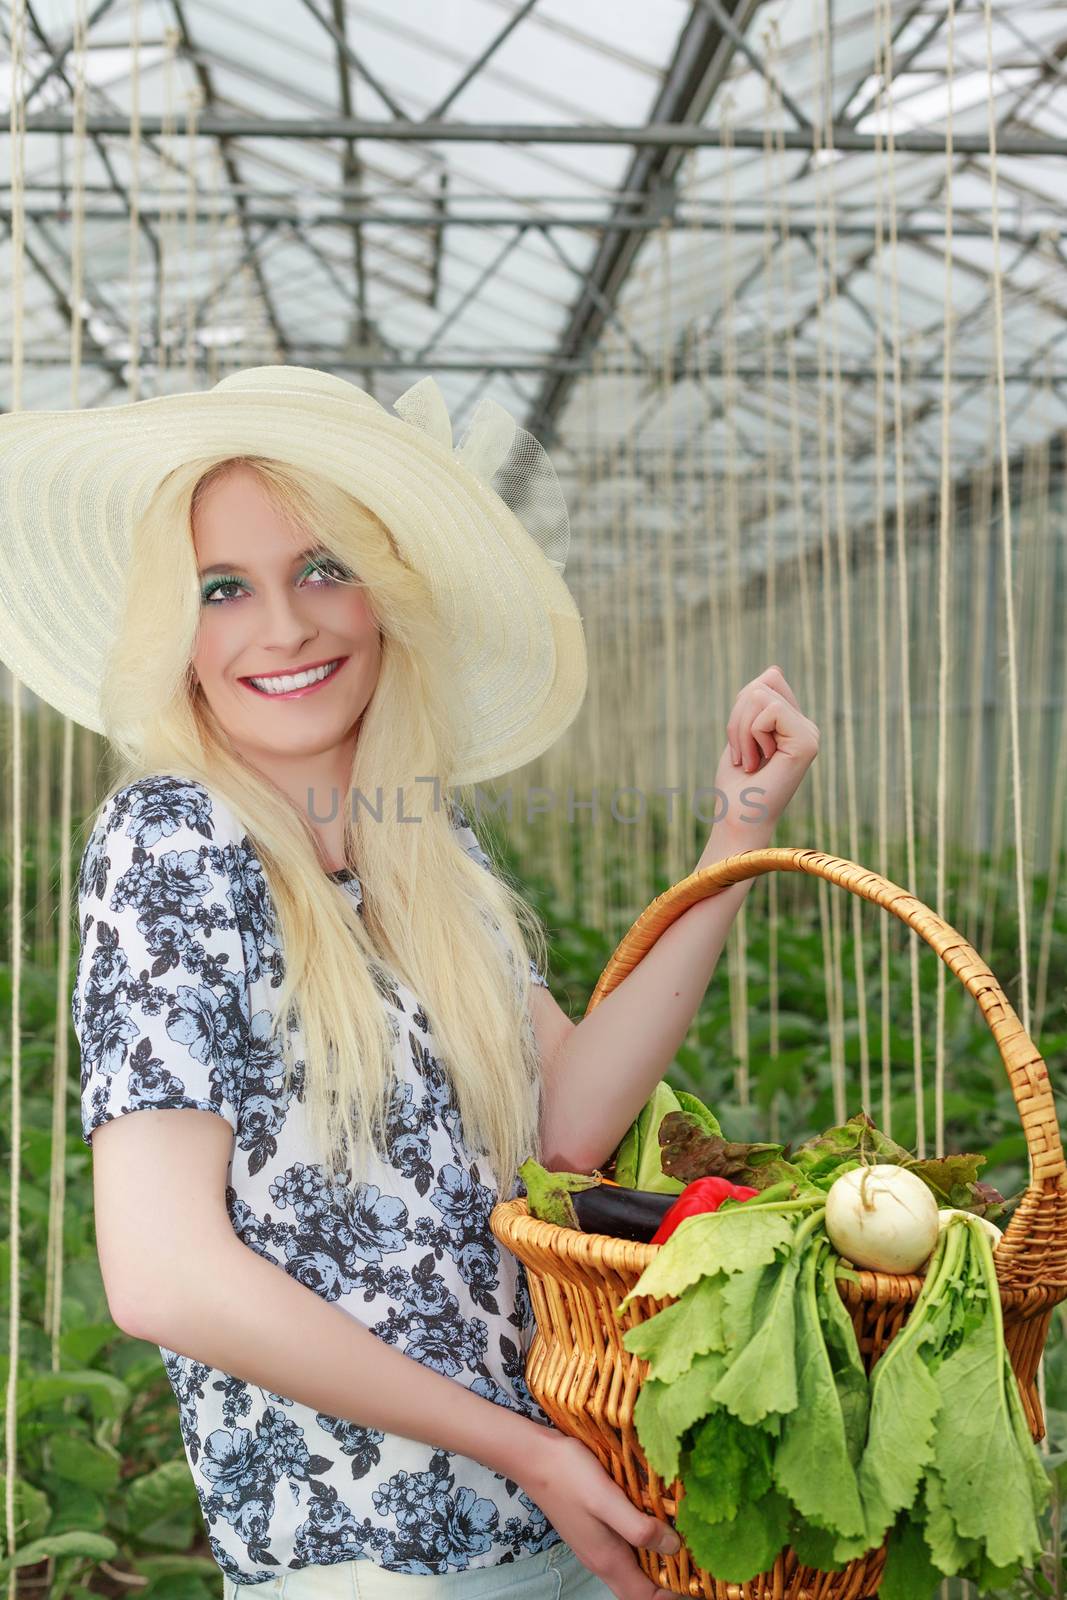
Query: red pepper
[703, 1194]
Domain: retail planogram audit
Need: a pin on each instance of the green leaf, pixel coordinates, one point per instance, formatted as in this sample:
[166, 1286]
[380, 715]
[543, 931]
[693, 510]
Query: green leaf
[159, 1493]
[814, 1546]
[108, 1396]
[846, 1362]
[82, 1342]
[76, 1458]
[989, 1489]
[710, 1242]
[548, 1193]
[78, 1508]
[650, 1171]
[813, 1464]
[740, 1549]
[762, 1378]
[696, 1108]
[688, 1151]
[949, 1551]
[951, 1178]
[626, 1157]
[75, 1543]
[905, 1402]
[33, 1512]
[909, 1573]
[692, 1325]
[664, 1412]
[726, 1464]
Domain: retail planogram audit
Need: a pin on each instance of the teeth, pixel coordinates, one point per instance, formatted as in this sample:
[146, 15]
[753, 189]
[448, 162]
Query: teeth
[299, 680]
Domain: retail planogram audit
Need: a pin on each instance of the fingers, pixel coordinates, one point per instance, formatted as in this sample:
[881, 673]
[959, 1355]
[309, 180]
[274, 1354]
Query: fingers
[626, 1580]
[749, 739]
[774, 677]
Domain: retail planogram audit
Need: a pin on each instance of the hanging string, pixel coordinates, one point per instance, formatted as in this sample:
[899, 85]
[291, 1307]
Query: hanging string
[738, 941]
[881, 607]
[944, 540]
[1009, 585]
[17, 135]
[774, 649]
[825, 175]
[134, 294]
[885, 95]
[194, 100]
[796, 501]
[168, 210]
[56, 1245]
[830, 713]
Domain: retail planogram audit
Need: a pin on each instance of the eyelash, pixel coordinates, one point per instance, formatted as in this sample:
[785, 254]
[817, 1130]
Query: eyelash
[341, 575]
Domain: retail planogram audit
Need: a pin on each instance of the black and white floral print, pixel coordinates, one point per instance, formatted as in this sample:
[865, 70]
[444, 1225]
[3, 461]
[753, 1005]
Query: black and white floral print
[172, 1006]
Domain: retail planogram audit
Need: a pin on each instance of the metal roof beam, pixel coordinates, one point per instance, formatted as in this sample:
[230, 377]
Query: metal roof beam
[437, 219]
[476, 66]
[334, 356]
[204, 78]
[669, 136]
[701, 57]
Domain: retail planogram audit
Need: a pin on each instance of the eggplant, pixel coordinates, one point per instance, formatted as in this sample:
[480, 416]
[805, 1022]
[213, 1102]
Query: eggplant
[623, 1213]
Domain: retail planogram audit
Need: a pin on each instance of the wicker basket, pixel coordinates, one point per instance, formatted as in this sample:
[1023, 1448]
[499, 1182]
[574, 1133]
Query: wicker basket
[586, 1382]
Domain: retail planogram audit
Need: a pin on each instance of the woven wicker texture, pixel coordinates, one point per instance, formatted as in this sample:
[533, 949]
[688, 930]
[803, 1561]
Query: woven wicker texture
[577, 1368]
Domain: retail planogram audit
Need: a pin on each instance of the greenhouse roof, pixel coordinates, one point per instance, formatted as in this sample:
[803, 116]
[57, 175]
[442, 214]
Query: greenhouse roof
[635, 226]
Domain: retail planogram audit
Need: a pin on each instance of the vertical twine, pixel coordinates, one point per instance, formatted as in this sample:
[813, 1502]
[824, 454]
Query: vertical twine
[738, 940]
[903, 597]
[981, 540]
[596, 900]
[1044, 650]
[215, 239]
[677, 865]
[17, 133]
[134, 190]
[55, 1249]
[168, 210]
[881, 607]
[772, 110]
[834, 975]
[1009, 586]
[695, 674]
[194, 100]
[796, 500]
[944, 646]
[825, 172]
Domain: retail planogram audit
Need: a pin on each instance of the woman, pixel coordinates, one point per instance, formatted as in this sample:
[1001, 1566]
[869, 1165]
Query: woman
[324, 615]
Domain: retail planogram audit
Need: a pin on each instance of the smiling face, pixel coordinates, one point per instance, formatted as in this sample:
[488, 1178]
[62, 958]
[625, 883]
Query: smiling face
[273, 608]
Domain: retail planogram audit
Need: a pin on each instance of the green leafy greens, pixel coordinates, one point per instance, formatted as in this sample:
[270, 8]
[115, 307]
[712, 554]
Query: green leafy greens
[756, 1399]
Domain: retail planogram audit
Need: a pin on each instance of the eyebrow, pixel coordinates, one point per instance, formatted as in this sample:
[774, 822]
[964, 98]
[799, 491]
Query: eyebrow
[232, 566]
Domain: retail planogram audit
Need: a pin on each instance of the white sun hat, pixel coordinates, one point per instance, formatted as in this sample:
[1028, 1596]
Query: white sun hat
[484, 521]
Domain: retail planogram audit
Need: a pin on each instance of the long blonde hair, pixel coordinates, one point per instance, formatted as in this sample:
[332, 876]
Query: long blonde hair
[450, 930]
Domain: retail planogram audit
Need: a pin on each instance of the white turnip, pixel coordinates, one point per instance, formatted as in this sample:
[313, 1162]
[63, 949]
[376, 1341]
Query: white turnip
[883, 1217]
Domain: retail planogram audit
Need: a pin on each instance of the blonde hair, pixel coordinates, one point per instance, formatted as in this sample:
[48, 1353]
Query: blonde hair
[450, 930]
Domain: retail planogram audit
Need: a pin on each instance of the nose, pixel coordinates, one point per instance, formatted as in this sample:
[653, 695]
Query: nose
[287, 624]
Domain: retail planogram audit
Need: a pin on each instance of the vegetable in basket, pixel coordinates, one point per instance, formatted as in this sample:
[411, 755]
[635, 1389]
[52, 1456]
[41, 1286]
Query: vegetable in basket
[592, 1204]
[703, 1194]
[883, 1217]
[637, 1159]
[757, 1401]
[687, 1153]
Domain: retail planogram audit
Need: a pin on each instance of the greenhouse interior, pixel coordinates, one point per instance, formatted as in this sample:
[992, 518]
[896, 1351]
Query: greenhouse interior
[743, 325]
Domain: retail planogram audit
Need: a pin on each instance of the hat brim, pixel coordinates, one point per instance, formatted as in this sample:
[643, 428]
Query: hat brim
[73, 485]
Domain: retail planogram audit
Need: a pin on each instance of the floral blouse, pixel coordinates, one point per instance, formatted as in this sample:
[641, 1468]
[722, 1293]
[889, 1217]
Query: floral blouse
[172, 1006]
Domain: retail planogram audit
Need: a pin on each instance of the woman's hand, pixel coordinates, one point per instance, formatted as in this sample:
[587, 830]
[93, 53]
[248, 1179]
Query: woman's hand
[769, 734]
[594, 1516]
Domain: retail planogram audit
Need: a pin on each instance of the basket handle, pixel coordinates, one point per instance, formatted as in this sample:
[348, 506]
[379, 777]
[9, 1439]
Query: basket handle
[1034, 1246]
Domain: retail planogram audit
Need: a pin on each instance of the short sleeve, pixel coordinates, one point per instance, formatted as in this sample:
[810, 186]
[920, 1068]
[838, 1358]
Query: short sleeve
[160, 1002]
[469, 840]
